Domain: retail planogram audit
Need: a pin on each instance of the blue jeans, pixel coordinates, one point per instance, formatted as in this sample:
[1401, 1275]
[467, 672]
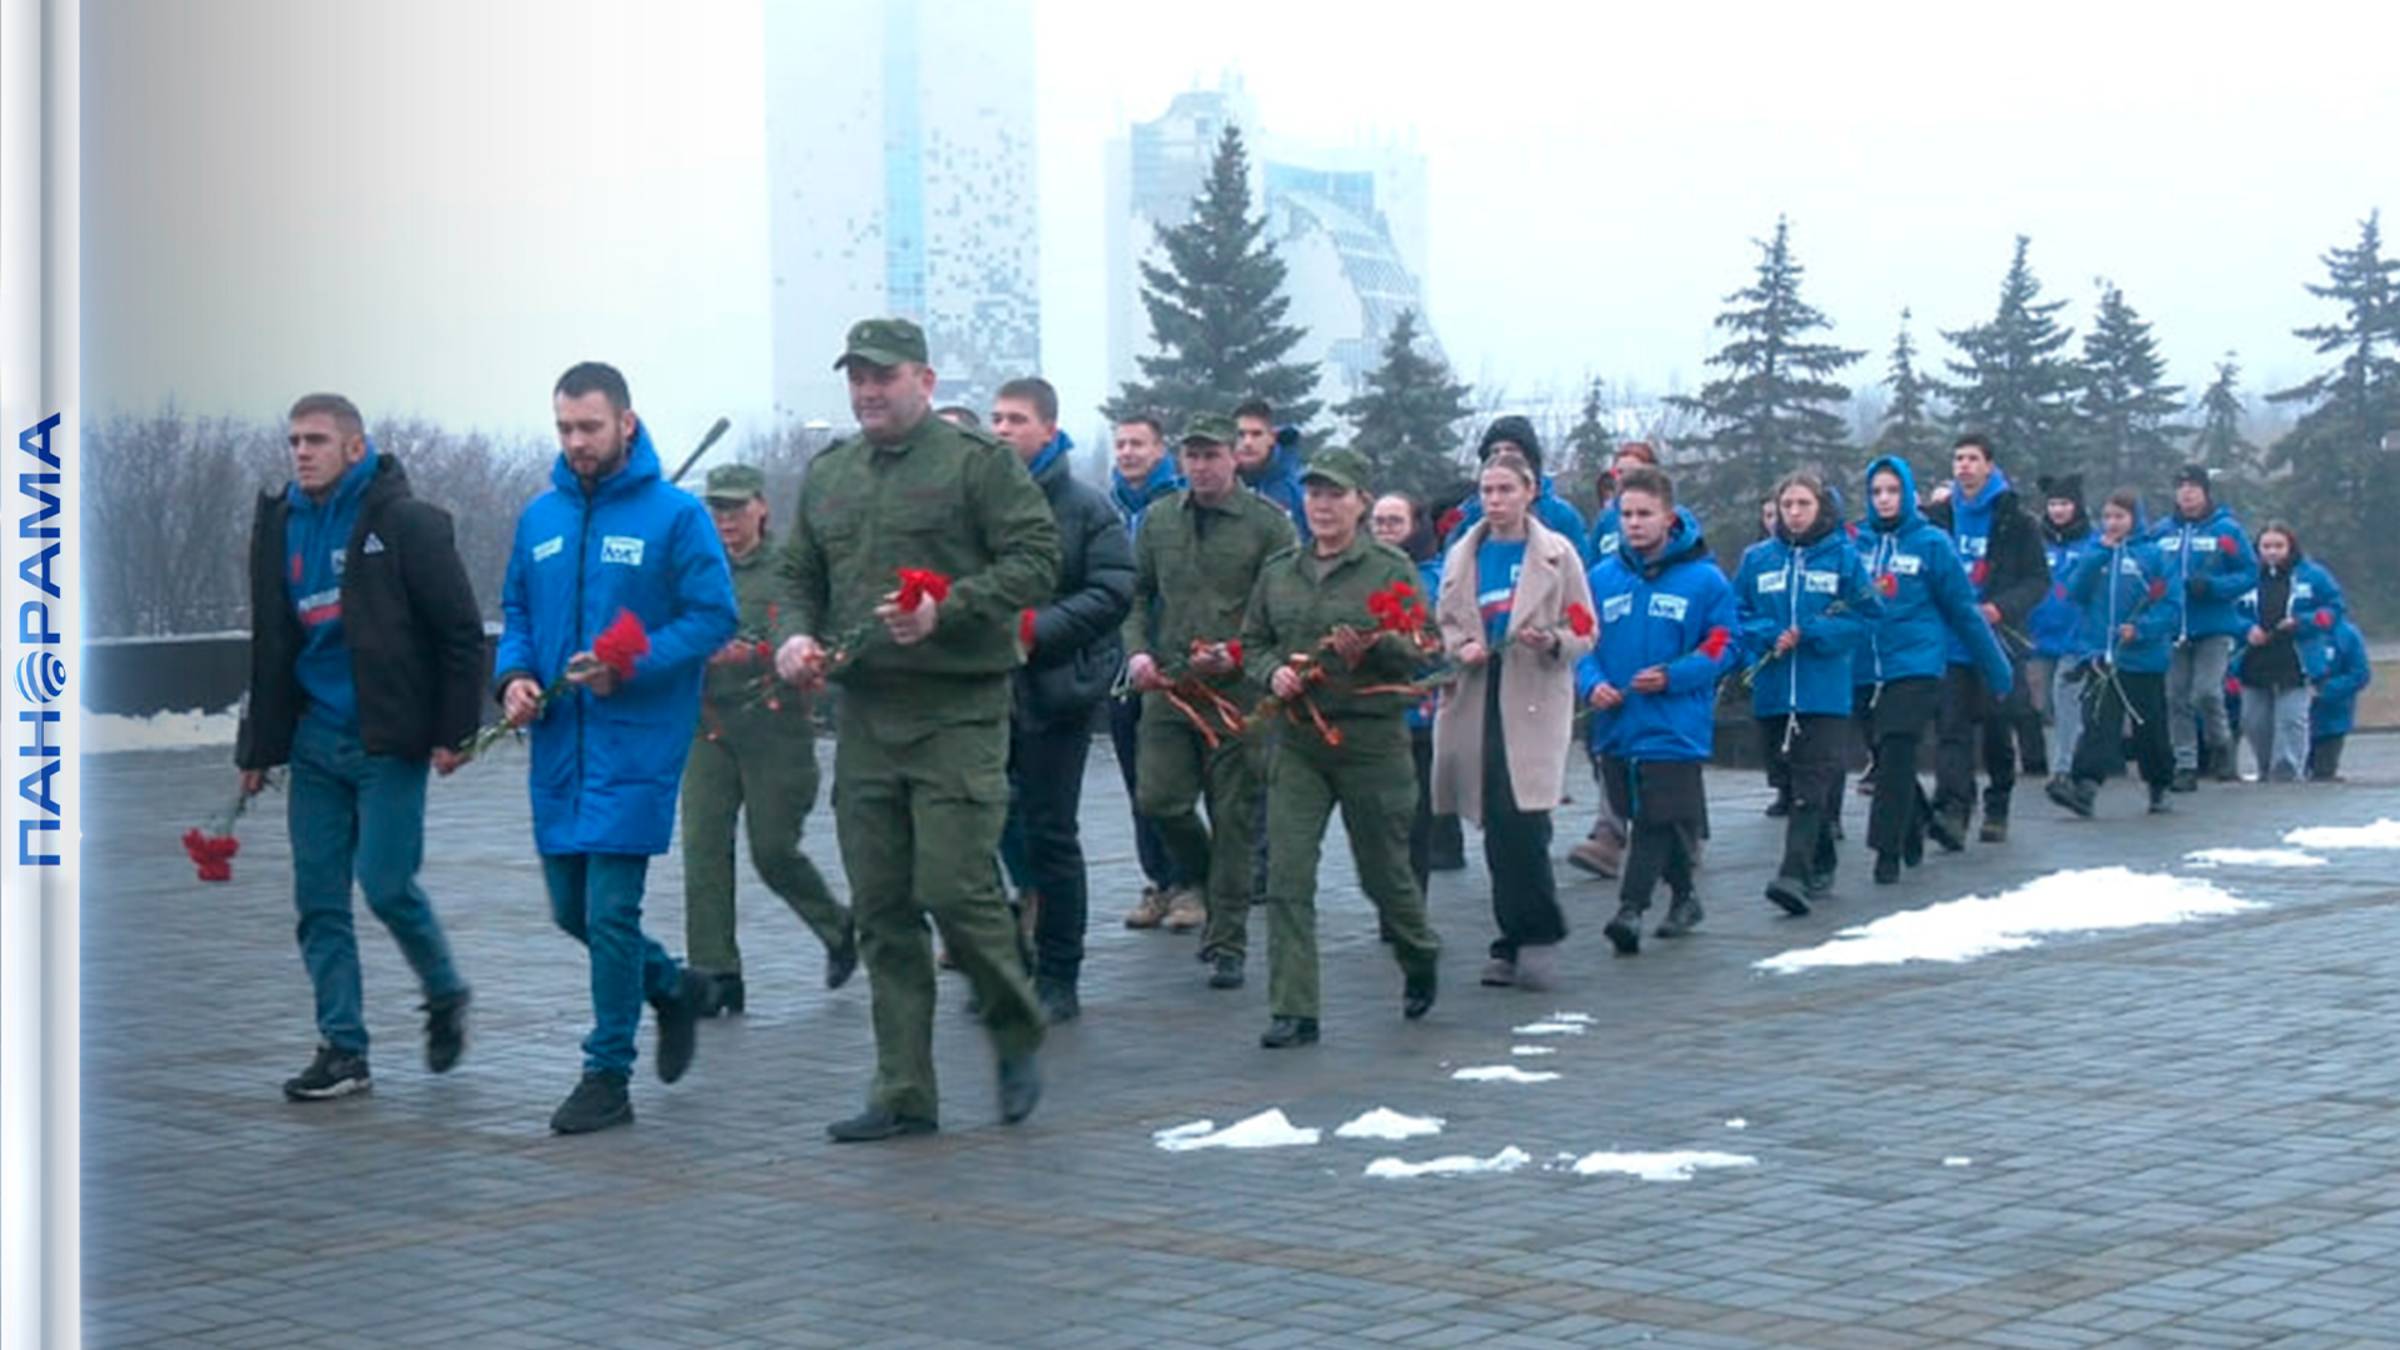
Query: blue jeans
[362, 816]
[597, 899]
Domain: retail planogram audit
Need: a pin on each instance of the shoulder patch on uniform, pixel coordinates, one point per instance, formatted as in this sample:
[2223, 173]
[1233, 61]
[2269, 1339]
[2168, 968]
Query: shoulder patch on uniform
[549, 547]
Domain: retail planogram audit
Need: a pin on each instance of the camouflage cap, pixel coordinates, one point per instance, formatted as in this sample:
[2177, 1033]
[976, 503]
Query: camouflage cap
[883, 342]
[1342, 468]
[733, 484]
[1208, 426]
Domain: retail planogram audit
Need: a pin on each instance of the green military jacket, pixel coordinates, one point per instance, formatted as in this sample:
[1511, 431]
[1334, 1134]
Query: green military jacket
[1195, 568]
[1295, 608]
[943, 499]
[736, 695]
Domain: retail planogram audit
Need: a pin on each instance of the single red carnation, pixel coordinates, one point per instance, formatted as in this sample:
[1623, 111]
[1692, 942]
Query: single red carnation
[622, 644]
[2228, 545]
[1713, 646]
[1025, 629]
[2324, 618]
[1979, 571]
[1448, 524]
[918, 585]
[1579, 620]
[1889, 584]
[1233, 649]
[2158, 589]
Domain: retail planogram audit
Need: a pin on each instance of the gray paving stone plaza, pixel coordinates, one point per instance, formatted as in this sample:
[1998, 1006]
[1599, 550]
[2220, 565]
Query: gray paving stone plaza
[2176, 1135]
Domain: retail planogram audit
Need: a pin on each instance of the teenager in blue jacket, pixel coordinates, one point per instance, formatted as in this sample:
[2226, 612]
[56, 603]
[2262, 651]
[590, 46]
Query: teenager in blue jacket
[2124, 595]
[1516, 433]
[2055, 627]
[608, 754]
[2347, 671]
[1666, 638]
[1805, 604]
[1268, 459]
[1602, 851]
[2210, 564]
[2291, 612]
[1927, 602]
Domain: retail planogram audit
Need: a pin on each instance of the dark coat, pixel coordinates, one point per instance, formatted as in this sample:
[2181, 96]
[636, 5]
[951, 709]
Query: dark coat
[408, 615]
[1077, 648]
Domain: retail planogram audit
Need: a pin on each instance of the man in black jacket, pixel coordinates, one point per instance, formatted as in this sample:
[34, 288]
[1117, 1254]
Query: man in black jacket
[1998, 542]
[1072, 655]
[366, 662]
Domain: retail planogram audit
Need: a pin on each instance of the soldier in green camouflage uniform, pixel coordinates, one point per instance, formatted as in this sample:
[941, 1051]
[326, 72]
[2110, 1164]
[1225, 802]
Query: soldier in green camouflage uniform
[1196, 560]
[920, 785]
[755, 758]
[1305, 596]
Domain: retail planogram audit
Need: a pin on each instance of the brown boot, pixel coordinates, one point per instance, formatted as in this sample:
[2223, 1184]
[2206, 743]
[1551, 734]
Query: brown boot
[1150, 912]
[1602, 855]
[1186, 911]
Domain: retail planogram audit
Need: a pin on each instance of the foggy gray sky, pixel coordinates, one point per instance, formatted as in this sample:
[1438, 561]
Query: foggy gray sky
[439, 206]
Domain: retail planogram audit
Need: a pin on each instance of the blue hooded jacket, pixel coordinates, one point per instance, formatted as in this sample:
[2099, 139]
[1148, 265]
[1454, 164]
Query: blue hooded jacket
[605, 770]
[2318, 606]
[1279, 482]
[1549, 508]
[1133, 502]
[2110, 588]
[1928, 600]
[1785, 583]
[2056, 625]
[2331, 712]
[2213, 551]
[317, 536]
[1669, 611]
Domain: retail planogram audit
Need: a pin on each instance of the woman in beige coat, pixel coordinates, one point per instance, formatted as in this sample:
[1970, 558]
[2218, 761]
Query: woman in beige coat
[1516, 613]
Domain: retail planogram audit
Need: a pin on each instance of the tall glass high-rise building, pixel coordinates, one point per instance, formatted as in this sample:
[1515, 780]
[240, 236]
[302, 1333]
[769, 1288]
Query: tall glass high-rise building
[900, 180]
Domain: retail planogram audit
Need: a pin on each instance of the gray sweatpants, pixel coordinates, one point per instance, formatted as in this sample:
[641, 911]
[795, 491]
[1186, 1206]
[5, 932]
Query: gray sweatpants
[2196, 688]
[2275, 722]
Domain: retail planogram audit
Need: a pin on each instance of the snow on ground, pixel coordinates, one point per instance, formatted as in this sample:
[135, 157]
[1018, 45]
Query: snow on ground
[2079, 901]
[1385, 1123]
[104, 733]
[1737, 1123]
[1533, 1050]
[1502, 1073]
[1585, 1018]
[2252, 857]
[1676, 1166]
[1958, 1160]
[1506, 1160]
[1267, 1129]
[1550, 1028]
[2384, 833]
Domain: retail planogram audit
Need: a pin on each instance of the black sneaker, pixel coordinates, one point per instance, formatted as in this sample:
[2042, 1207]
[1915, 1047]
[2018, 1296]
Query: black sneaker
[445, 1030]
[2073, 795]
[1285, 1032]
[679, 1024]
[1683, 915]
[1789, 896]
[1779, 808]
[841, 963]
[2159, 805]
[1912, 849]
[726, 995]
[333, 1073]
[1948, 829]
[599, 1102]
[1058, 1001]
[1225, 971]
[876, 1124]
[1887, 869]
[1417, 993]
[1995, 829]
[1624, 932]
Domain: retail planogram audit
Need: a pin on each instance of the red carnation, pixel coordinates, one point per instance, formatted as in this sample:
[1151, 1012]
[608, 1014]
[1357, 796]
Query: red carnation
[1449, 521]
[211, 853]
[1713, 646]
[2158, 589]
[1888, 584]
[2228, 545]
[1233, 649]
[2324, 618]
[1396, 609]
[1579, 620]
[1979, 571]
[918, 585]
[621, 644]
[1025, 629]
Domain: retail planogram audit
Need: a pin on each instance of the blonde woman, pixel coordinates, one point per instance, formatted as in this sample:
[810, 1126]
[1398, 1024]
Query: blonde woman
[1516, 611]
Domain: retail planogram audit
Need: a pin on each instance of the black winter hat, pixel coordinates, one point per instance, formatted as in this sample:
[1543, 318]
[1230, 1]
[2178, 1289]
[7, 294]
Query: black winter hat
[2065, 486]
[2195, 474]
[1514, 429]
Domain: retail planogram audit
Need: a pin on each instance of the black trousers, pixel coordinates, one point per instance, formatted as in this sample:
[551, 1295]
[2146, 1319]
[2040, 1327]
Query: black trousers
[2107, 704]
[1124, 728]
[2325, 757]
[1420, 829]
[1664, 807]
[1516, 846]
[1812, 747]
[1771, 753]
[1045, 796]
[1900, 712]
[1968, 719]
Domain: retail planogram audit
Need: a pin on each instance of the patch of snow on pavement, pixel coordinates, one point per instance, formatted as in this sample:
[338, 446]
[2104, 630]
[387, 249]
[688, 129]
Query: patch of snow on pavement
[1737, 1123]
[1385, 1123]
[1267, 1129]
[2079, 901]
[104, 733]
[2384, 833]
[2252, 857]
[1676, 1166]
[1533, 1049]
[1550, 1028]
[1501, 1073]
[1458, 1165]
[1958, 1160]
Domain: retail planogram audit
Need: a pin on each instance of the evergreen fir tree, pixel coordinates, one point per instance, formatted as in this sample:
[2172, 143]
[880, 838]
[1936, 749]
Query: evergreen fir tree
[1909, 428]
[2340, 477]
[2219, 442]
[1776, 407]
[1216, 312]
[1590, 445]
[2124, 405]
[2013, 385]
[1405, 423]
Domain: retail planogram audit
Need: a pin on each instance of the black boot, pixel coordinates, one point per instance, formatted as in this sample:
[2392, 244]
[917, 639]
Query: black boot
[2075, 794]
[1887, 868]
[1417, 993]
[1625, 931]
[2159, 805]
[679, 1023]
[1790, 895]
[1020, 1086]
[598, 1102]
[1285, 1032]
[1948, 828]
[1682, 917]
[875, 1124]
[1995, 822]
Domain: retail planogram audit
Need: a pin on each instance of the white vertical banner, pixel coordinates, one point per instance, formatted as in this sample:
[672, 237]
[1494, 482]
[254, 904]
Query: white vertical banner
[40, 1272]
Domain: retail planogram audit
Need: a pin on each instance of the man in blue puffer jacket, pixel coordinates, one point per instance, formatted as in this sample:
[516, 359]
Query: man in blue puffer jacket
[1268, 458]
[1928, 603]
[2066, 536]
[2347, 671]
[608, 753]
[2210, 564]
[1805, 605]
[1666, 638]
